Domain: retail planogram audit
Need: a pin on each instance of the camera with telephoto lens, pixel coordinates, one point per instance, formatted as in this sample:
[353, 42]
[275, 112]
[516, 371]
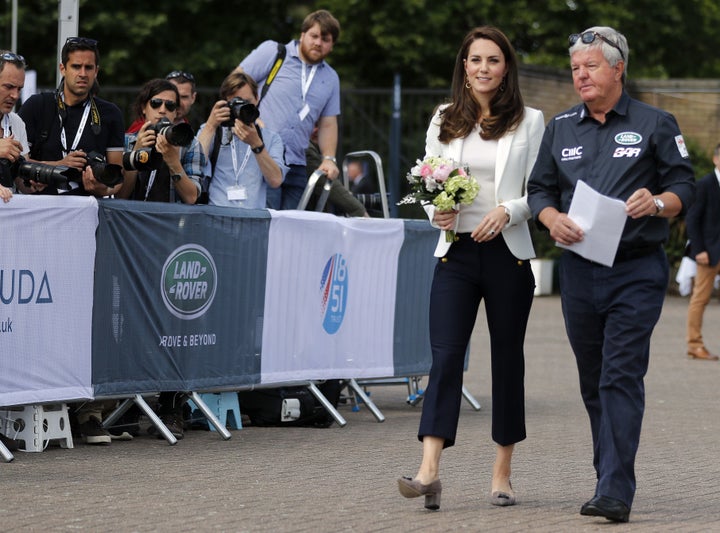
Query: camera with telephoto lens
[176, 134]
[246, 112]
[57, 176]
[150, 159]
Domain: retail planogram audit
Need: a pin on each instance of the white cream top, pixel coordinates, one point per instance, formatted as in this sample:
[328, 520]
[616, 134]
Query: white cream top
[480, 155]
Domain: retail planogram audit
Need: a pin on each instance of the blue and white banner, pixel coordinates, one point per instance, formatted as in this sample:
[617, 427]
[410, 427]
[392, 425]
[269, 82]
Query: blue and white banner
[47, 251]
[329, 296]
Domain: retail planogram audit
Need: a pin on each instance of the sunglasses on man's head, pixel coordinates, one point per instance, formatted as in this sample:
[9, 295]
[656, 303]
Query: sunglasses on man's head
[82, 41]
[589, 37]
[155, 103]
[180, 74]
[12, 58]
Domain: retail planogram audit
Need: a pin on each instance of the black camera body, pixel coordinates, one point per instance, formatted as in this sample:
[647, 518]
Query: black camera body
[106, 173]
[246, 112]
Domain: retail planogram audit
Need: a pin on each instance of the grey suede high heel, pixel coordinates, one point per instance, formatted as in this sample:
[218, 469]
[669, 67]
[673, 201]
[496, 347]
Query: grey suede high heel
[502, 498]
[411, 488]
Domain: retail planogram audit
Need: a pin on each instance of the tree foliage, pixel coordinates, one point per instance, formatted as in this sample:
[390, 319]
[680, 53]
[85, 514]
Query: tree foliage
[416, 38]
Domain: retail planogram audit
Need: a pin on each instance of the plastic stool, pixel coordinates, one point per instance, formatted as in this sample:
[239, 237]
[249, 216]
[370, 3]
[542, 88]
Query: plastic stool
[225, 407]
[37, 425]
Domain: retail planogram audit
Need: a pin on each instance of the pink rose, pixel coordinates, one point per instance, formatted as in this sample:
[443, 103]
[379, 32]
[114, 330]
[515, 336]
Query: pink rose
[441, 173]
[426, 170]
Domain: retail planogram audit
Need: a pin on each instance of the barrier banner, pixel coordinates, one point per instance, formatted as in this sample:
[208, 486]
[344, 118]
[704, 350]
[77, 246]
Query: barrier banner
[207, 298]
[179, 297]
[330, 296]
[47, 251]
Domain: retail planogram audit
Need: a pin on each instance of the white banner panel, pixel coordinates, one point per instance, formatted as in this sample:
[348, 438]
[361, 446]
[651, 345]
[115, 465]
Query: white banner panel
[329, 297]
[47, 255]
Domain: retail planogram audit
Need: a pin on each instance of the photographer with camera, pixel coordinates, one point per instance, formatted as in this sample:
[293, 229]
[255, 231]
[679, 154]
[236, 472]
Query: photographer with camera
[245, 158]
[13, 144]
[73, 128]
[164, 162]
[70, 133]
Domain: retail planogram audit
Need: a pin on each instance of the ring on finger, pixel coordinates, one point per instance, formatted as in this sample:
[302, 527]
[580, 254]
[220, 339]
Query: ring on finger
[491, 232]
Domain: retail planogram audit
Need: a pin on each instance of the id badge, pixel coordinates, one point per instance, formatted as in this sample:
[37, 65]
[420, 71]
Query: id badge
[237, 192]
[304, 112]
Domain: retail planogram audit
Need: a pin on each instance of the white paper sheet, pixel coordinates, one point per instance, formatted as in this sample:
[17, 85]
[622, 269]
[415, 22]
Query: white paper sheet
[602, 219]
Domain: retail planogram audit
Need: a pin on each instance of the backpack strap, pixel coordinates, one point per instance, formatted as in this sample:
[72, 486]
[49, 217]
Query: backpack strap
[279, 59]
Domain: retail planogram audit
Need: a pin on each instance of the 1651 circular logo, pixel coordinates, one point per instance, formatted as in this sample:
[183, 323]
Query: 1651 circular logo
[189, 281]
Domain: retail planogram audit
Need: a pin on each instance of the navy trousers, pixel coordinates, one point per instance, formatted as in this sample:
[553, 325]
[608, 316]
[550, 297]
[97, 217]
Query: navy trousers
[469, 273]
[610, 314]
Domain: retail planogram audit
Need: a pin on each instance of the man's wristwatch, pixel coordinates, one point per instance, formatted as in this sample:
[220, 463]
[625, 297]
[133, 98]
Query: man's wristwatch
[331, 158]
[176, 177]
[258, 149]
[659, 206]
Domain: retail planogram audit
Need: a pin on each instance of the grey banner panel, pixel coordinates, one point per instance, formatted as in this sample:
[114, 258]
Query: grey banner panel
[416, 265]
[179, 297]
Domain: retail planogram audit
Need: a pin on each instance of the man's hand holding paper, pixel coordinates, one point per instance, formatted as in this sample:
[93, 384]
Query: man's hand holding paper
[601, 220]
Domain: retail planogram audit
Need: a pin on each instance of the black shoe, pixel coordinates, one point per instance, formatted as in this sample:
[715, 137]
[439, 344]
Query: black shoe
[609, 508]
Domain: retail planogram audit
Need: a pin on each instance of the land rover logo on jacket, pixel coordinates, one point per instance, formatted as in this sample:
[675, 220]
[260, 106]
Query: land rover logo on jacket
[628, 138]
[189, 281]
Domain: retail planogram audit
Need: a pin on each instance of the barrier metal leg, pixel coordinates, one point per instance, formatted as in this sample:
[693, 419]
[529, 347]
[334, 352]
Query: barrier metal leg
[327, 405]
[366, 399]
[117, 413]
[155, 419]
[471, 399]
[6, 454]
[205, 410]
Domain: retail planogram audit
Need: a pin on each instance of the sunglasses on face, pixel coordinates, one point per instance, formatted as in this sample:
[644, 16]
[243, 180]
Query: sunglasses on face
[155, 103]
[589, 37]
[12, 58]
[83, 41]
[180, 74]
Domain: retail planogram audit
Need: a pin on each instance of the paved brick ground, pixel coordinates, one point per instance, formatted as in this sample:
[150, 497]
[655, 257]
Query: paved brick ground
[343, 480]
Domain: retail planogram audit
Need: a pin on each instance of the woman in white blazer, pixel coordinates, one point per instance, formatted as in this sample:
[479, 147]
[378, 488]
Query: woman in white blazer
[488, 128]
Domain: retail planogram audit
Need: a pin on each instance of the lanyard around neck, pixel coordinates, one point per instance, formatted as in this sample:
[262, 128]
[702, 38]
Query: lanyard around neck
[89, 106]
[306, 80]
[78, 133]
[233, 153]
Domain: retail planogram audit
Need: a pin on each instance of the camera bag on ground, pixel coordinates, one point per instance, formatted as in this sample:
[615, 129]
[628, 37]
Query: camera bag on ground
[290, 406]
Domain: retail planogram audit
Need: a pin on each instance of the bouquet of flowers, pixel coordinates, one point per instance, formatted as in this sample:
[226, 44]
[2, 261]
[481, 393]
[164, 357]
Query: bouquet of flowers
[442, 182]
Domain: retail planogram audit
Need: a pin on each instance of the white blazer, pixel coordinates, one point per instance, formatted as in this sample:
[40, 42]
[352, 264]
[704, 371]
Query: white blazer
[516, 155]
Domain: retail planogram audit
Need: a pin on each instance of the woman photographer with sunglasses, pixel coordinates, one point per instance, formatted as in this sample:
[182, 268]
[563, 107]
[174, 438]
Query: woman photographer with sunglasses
[157, 168]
